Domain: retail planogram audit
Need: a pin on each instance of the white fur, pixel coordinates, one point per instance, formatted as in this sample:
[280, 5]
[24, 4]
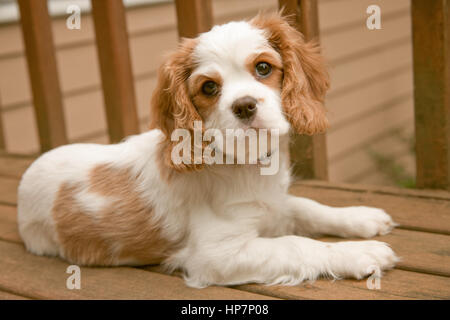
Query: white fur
[242, 226]
[220, 45]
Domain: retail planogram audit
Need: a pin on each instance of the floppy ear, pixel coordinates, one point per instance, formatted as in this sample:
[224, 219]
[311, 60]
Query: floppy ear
[305, 78]
[171, 106]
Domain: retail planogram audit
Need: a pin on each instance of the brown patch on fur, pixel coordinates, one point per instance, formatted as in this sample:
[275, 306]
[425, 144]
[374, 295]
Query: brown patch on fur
[305, 78]
[124, 230]
[171, 104]
[275, 78]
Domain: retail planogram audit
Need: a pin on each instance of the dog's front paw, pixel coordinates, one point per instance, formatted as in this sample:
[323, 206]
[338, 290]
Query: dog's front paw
[358, 259]
[364, 222]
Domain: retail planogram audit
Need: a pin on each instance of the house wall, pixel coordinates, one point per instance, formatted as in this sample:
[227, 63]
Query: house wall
[370, 101]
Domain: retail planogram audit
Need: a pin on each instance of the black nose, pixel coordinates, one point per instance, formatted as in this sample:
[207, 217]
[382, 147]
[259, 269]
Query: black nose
[245, 107]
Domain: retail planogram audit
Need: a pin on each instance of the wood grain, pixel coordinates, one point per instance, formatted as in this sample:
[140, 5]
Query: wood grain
[420, 251]
[45, 278]
[431, 44]
[9, 296]
[423, 273]
[115, 65]
[8, 224]
[395, 284]
[8, 191]
[2, 130]
[193, 17]
[412, 213]
[14, 167]
[47, 99]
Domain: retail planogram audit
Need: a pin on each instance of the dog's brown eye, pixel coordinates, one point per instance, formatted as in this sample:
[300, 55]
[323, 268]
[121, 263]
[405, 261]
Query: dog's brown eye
[263, 69]
[210, 88]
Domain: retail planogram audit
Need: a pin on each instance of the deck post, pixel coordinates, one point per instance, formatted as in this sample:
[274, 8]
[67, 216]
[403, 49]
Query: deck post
[115, 65]
[431, 51]
[2, 134]
[40, 54]
[193, 16]
[308, 153]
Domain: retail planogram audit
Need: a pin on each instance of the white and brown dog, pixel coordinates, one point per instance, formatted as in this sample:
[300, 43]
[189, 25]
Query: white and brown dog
[130, 204]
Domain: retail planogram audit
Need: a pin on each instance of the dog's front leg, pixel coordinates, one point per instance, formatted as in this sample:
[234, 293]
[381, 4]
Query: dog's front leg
[313, 218]
[283, 260]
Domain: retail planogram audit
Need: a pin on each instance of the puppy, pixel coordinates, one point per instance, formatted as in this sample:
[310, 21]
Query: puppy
[134, 203]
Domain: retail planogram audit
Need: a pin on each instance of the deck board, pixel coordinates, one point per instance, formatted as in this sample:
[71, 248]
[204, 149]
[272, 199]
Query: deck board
[396, 284]
[14, 166]
[419, 251]
[422, 241]
[412, 212]
[9, 296]
[8, 190]
[45, 278]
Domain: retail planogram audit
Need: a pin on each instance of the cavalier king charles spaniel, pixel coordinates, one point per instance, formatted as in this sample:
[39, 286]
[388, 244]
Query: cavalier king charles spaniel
[134, 203]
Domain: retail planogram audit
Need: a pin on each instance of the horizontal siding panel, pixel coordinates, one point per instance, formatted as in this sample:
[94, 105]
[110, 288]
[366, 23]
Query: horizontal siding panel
[359, 161]
[364, 99]
[20, 131]
[11, 40]
[78, 68]
[144, 91]
[356, 71]
[84, 114]
[14, 82]
[344, 142]
[337, 13]
[337, 46]
[376, 177]
[149, 51]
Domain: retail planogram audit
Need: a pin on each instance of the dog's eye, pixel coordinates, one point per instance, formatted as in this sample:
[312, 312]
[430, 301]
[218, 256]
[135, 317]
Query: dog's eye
[263, 69]
[210, 88]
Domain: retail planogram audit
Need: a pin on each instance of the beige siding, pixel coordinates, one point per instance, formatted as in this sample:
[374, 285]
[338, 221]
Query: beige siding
[371, 92]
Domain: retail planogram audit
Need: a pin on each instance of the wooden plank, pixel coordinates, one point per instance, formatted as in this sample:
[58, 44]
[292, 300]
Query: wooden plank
[420, 251]
[8, 224]
[193, 16]
[2, 133]
[412, 213]
[8, 191]
[37, 34]
[13, 167]
[9, 296]
[431, 44]
[401, 192]
[395, 284]
[45, 278]
[115, 66]
[308, 153]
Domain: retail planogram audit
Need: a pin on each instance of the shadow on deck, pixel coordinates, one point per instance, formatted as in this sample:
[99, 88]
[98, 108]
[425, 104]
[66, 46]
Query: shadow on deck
[422, 241]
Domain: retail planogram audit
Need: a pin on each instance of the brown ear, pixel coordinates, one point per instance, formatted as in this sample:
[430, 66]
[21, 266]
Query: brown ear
[305, 78]
[171, 106]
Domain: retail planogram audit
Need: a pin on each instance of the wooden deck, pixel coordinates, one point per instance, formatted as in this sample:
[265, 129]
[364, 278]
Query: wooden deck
[422, 241]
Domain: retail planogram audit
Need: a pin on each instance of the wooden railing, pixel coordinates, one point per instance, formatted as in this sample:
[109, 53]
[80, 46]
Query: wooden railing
[431, 43]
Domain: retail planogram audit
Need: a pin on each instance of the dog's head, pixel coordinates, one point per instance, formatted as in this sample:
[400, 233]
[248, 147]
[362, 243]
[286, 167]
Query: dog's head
[258, 74]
